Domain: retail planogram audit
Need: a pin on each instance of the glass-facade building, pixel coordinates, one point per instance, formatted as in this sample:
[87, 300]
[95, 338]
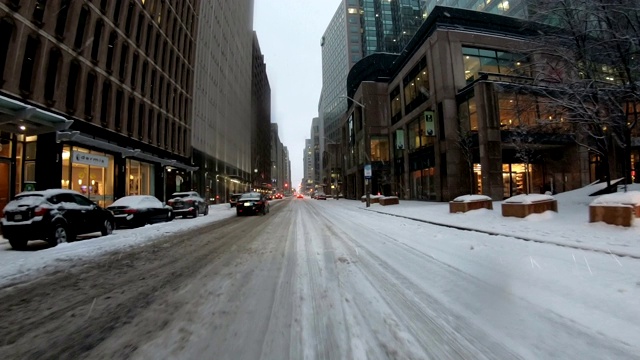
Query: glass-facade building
[515, 8]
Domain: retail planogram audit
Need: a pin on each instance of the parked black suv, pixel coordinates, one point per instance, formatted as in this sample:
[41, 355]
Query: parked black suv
[54, 215]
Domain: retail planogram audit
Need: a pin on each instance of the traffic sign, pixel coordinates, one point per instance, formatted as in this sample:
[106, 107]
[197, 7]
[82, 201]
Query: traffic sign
[367, 171]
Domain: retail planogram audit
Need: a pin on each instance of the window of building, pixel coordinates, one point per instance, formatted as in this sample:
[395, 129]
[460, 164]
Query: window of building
[165, 50]
[28, 64]
[97, 36]
[113, 37]
[134, 70]
[149, 35]
[173, 136]
[152, 83]
[61, 22]
[141, 114]
[491, 61]
[417, 134]
[95, 182]
[140, 178]
[160, 89]
[105, 103]
[396, 105]
[379, 148]
[103, 5]
[124, 55]
[467, 112]
[416, 86]
[158, 126]
[143, 82]
[139, 28]
[38, 11]
[88, 99]
[52, 74]
[82, 24]
[6, 29]
[127, 23]
[116, 12]
[157, 46]
[72, 85]
[130, 112]
[516, 109]
[118, 114]
[150, 122]
[167, 132]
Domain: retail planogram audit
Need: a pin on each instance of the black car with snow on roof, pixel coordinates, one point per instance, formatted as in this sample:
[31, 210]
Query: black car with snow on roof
[252, 203]
[188, 203]
[140, 210]
[54, 215]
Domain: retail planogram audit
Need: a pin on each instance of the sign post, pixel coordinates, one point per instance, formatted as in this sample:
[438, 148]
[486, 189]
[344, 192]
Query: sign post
[367, 180]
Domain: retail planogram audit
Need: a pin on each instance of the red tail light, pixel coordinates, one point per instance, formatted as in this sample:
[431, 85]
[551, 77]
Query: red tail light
[40, 211]
[170, 202]
[259, 203]
[130, 211]
[189, 201]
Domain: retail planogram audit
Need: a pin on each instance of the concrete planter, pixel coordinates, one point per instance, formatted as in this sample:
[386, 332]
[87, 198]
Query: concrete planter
[621, 215]
[463, 207]
[522, 210]
[391, 200]
[616, 208]
[375, 199]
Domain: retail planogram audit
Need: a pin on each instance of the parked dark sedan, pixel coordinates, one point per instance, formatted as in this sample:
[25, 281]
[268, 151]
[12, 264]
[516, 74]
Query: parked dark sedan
[139, 210]
[252, 203]
[55, 215]
[188, 203]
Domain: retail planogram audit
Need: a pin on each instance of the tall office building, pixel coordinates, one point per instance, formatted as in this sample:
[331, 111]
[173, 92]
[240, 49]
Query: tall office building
[307, 157]
[95, 96]
[260, 119]
[222, 96]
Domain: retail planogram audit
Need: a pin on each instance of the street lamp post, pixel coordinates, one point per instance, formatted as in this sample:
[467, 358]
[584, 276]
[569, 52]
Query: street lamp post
[367, 144]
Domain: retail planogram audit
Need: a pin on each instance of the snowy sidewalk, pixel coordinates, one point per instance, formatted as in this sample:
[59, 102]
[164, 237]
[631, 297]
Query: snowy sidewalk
[569, 227]
[15, 264]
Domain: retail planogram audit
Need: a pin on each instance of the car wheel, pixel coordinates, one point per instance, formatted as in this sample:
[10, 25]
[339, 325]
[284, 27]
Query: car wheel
[206, 210]
[107, 227]
[59, 235]
[169, 216]
[18, 244]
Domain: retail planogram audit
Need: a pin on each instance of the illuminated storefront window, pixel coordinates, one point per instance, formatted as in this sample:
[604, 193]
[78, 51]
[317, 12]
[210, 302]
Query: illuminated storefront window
[88, 172]
[140, 178]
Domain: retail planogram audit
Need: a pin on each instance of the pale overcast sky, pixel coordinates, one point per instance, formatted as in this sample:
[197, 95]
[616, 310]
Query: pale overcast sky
[289, 33]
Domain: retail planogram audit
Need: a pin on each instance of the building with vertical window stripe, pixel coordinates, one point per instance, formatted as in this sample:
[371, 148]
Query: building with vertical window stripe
[97, 96]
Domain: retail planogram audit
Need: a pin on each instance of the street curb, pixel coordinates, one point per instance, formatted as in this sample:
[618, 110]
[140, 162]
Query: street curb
[523, 238]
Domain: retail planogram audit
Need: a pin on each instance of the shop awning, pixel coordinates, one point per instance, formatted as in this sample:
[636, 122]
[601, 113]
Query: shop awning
[76, 137]
[21, 118]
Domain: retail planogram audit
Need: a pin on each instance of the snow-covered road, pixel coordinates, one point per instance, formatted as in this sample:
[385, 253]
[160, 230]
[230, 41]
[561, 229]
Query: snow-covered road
[325, 279]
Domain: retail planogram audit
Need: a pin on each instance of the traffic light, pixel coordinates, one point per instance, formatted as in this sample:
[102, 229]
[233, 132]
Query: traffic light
[286, 185]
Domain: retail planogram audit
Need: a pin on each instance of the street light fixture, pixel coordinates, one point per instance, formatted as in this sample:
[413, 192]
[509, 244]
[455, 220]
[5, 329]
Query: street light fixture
[367, 144]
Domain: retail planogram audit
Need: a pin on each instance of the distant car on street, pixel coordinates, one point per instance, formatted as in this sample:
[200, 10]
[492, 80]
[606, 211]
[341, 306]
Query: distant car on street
[321, 196]
[252, 203]
[55, 215]
[139, 210]
[188, 203]
[233, 199]
[278, 196]
[299, 196]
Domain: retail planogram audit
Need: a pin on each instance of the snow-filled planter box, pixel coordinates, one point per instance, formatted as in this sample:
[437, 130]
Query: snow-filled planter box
[465, 203]
[616, 209]
[374, 198]
[389, 200]
[522, 206]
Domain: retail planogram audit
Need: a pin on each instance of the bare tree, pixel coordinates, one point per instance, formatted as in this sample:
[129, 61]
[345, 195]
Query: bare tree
[522, 139]
[587, 66]
[467, 147]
